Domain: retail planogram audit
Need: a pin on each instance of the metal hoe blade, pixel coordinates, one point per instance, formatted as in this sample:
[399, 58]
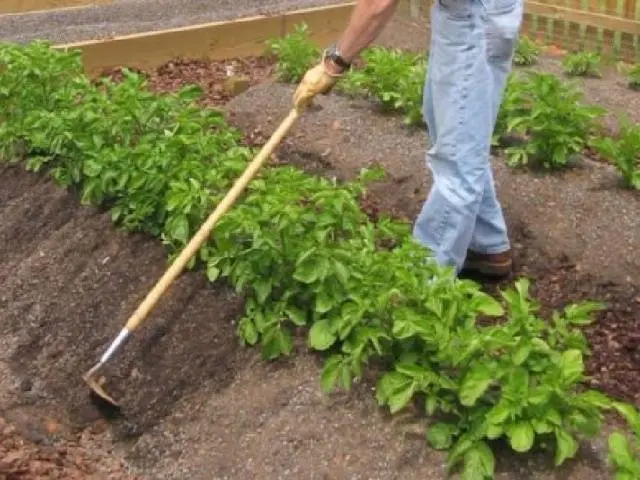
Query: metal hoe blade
[91, 377]
[96, 385]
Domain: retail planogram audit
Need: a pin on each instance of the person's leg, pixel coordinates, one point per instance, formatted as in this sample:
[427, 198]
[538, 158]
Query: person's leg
[503, 19]
[458, 113]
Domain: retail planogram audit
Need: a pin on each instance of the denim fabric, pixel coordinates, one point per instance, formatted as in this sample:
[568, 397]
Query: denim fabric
[472, 44]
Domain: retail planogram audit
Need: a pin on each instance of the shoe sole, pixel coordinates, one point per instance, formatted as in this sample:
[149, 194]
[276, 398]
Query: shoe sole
[490, 269]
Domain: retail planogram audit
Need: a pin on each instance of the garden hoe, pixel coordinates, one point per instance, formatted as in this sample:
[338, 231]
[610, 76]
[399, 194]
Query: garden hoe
[96, 383]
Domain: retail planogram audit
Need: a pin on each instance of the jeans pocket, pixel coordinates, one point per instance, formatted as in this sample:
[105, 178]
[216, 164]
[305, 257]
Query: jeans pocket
[502, 28]
[497, 7]
[460, 9]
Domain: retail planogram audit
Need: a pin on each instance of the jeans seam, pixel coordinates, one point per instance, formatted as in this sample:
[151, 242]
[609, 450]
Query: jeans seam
[463, 94]
[439, 231]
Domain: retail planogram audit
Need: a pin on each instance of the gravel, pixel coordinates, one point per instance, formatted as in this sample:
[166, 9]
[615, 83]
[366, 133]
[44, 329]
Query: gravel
[134, 16]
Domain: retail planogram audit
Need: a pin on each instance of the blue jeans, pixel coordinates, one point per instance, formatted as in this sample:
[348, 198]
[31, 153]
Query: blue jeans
[470, 58]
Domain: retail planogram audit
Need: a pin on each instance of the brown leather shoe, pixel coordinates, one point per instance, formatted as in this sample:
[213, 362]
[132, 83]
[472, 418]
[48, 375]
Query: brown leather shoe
[493, 265]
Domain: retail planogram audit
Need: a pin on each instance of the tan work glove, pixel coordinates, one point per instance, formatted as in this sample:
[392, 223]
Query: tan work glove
[317, 80]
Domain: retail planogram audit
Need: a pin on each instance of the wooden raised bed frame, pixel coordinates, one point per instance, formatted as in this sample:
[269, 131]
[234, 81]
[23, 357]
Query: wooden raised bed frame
[213, 41]
[248, 36]
[30, 6]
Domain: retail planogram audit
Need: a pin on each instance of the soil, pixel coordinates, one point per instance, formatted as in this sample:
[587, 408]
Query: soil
[197, 405]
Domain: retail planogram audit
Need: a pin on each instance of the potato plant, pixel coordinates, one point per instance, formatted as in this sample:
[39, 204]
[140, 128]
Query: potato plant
[550, 115]
[623, 151]
[527, 52]
[295, 53]
[309, 261]
[583, 64]
[392, 77]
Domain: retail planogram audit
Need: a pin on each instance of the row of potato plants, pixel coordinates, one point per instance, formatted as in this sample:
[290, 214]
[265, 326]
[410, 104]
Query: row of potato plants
[545, 114]
[308, 260]
[574, 64]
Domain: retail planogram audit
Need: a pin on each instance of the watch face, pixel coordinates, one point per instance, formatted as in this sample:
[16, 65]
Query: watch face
[334, 54]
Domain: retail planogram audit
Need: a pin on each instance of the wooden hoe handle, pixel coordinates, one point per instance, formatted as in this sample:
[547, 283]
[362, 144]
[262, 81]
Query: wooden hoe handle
[203, 233]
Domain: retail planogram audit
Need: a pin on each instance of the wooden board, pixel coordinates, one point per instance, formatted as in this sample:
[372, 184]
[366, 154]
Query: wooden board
[29, 6]
[219, 40]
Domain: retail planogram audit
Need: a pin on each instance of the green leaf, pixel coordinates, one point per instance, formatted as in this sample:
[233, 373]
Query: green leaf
[462, 445]
[430, 404]
[307, 271]
[479, 463]
[494, 431]
[331, 372]
[500, 412]
[553, 416]
[620, 453]
[630, 413]
[587, 425]
[265, 320]
[262, 287]
[572, 366]
[395, 390]
[580, 314]
[92, 168]
[401, 398]
[321, 335]
[594, 398]
[407, 323]
[488, 305]
[521, 436]
[521, 354]
[213, 272]
[180, 228]
[540, 345]
[324, 302]
[276, 341]
[517, 386]
[541, 427]
[440, 435]
[566, 446]
[622, 475]
[341, 272]
[474, 384]
[296, 315]
[247, 331]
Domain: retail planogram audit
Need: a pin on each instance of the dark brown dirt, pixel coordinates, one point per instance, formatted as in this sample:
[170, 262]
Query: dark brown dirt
[21, 459]
[68, 285]
[198, 406]
[219, 81]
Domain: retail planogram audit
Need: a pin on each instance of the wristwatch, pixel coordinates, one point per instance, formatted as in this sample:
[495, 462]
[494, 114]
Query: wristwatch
[333, 53]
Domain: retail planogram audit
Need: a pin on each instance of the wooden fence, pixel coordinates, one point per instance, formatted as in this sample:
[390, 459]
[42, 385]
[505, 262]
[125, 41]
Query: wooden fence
[611, 27]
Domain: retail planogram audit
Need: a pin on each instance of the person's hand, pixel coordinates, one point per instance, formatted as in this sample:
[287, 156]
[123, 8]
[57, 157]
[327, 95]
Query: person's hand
[318, 80]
